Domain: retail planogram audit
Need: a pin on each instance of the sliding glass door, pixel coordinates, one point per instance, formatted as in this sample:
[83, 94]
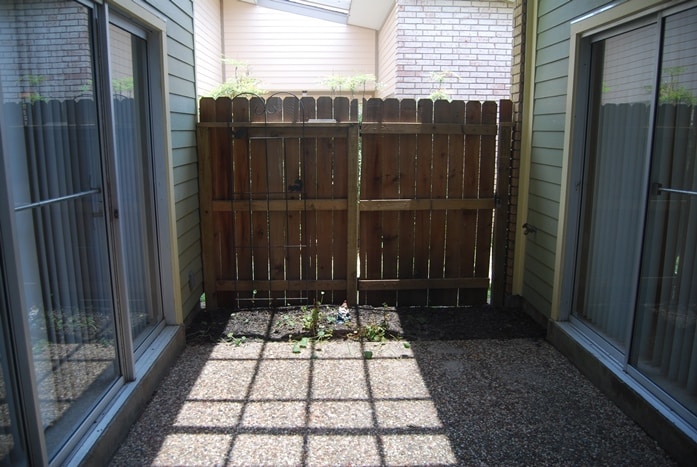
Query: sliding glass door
[614, 180]
[635, 286]
[665, 343]
[13, 448]
[79, 214]
[133, 161]
[54, 153]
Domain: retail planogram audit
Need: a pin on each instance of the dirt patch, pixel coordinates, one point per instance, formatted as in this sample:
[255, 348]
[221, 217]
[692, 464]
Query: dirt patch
[368, 323]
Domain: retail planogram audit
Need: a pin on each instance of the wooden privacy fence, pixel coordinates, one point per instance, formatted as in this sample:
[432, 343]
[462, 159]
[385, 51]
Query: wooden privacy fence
[301, 202]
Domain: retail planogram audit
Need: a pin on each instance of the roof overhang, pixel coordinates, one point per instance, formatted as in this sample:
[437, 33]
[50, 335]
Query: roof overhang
[369, 14]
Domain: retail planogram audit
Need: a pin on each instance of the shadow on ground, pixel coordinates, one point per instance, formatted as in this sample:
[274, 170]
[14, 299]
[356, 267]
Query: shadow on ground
[445, 387]
[412, 323]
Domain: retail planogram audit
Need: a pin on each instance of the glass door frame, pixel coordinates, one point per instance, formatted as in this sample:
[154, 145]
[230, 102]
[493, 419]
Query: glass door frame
[150, 145]
[17, 350]
[128, 365]
[577, 126]
[586, 100]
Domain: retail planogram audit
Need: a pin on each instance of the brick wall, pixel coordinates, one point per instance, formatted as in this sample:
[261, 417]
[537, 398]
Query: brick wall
[467, 41]
[517, 87]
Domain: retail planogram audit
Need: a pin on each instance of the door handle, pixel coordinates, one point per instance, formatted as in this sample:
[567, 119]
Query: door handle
[660, 189]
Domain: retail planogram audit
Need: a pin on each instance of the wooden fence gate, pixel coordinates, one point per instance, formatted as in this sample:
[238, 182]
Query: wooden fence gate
[301, 202]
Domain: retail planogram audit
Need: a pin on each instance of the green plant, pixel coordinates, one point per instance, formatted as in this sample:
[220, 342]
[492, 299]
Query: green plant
[70, 322]
[242, 81]
[671, 92]
[32, 82]
[323, 335]
[312, 323]
[236, 341]
[301, 344]
[122, 86]
[439, 78]
[311, 317]
[286, 321]
[374, 332]
[350, 83]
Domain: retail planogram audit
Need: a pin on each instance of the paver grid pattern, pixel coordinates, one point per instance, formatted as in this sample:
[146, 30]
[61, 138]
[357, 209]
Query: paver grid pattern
[462, 402]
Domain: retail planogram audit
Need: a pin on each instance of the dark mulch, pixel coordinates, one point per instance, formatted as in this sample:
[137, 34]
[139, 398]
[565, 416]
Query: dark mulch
[286, 323]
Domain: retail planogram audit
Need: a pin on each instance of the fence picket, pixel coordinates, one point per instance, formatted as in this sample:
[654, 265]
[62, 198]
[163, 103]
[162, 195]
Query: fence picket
[293, 189]
[369, 222]
[340, 192]
[407, 186]
[473, 115]
[485, 217]
[439, 175]
[242, 219]
[389, 189]
[422, 244]
[280, 210]
[325, 218]
[455, 225]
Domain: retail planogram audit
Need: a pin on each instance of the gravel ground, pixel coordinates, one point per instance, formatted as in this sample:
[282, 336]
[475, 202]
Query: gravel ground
[496, 399]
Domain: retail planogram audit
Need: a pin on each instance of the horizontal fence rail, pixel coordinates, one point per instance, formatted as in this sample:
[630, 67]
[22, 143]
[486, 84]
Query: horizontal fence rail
[301, 202]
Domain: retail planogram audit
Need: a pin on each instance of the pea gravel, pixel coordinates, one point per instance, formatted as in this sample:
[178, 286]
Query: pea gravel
[468, 402]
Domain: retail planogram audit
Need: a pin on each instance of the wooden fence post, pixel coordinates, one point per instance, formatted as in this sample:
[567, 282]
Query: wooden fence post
[207, 113]
[353, 216]
[503, 172]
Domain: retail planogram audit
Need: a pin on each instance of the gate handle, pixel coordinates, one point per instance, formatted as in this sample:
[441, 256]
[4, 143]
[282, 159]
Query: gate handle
[659, 189]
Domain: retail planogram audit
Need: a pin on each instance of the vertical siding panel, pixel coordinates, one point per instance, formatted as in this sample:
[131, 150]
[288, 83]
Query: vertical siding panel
[387, 56]
[208, 46]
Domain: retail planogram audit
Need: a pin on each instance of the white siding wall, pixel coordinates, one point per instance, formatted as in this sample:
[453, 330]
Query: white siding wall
[208, 45]
[387, 56]
[293, 53]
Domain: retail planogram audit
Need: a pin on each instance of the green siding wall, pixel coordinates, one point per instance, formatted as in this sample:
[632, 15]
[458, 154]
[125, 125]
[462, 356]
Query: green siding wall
[549, 108]
[182, 102]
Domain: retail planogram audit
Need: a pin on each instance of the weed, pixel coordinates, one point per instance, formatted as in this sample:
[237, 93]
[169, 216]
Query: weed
[301, 344]
[236, 341]
[311, 316]
[312, 323]
[374, 332]
[286, 321]
[323, 335]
